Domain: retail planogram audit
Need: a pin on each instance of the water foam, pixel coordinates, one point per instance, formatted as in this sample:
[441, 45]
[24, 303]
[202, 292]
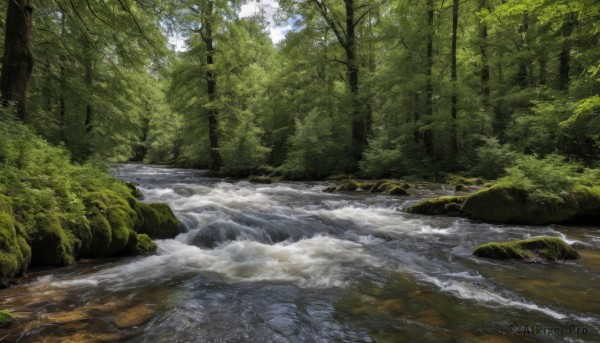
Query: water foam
[316, 262]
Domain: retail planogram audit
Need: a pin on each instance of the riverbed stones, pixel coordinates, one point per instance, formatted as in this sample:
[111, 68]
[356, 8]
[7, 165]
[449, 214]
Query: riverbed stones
[391, 187]
[534, 249]
[134, 316]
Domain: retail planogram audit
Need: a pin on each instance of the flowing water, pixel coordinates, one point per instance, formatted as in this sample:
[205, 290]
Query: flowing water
[286, 262]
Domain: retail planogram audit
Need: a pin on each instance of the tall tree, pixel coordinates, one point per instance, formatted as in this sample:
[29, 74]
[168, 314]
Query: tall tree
[428, 133]
[17, 63]
[454, 97]
[211, 85]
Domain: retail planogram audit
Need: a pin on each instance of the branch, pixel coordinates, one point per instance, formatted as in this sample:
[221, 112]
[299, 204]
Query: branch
[341, 35]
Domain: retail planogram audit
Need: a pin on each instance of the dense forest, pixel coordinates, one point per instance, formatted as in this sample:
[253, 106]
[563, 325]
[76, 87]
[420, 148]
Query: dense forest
[374, 88]
[498, 98]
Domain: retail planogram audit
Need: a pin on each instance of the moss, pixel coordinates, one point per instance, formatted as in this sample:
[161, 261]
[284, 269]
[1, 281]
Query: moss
[6, 318]
[101, 234]
[159, 221]
[588, 199]
[120, 224]
[550, 248]
[466, 181]
[347, 185]
[144, 244]
[459, 187]
[398, 190]
[510, 204]
[135, 192]
[15, 253]
[260, 179]
[50, 243]
[389, 186]
[441, 205]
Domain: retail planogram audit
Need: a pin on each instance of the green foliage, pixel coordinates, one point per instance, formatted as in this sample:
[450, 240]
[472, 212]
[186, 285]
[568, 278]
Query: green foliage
[53, 211]
[546, 180]
[383, 158]
[492, 158]
[313, 152]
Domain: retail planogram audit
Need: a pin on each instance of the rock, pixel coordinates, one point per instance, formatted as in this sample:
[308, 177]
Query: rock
[260, 179]
[509, 204]
[159, 221]
[442, 205]
[398, 190]
[135, 192]
[134, 316]
[459, 187]
[67, 317]
[550, 248]
[6, 318]
[503, 203]
[50, 243]
[144, 244]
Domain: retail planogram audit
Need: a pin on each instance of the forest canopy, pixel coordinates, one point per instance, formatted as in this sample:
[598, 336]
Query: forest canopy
[374, 88]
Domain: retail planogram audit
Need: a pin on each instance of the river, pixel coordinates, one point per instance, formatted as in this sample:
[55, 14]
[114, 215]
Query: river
[286, 262]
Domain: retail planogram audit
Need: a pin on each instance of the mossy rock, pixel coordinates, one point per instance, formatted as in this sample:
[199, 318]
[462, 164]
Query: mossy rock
[260, 179]
[459, 187]
[509, 204]
[588, 199]
[159, 221]
[399, 190]
[135, 192]
[550, 248]
[6, 318]
[465, 181]
[120, 224]
[389, 186]
[50, 243]
[438, 206]
[15, 252]
[101, 235]
[144, 244]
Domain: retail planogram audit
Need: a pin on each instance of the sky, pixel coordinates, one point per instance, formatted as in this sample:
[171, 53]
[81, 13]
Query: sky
[277, 32]
[253, 7]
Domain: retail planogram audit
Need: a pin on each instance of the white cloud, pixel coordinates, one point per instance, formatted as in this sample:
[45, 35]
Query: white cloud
[270, 7]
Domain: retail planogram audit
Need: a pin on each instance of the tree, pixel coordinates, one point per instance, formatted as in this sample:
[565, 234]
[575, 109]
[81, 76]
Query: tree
[17, 63]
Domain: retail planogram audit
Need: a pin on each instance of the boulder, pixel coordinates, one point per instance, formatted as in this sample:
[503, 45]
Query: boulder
[159, 221]
[442, 205]
[550, 248]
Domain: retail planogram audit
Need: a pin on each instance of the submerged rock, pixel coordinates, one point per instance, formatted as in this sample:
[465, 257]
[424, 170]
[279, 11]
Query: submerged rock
[6, 318]
[550, 248]
[135, 316]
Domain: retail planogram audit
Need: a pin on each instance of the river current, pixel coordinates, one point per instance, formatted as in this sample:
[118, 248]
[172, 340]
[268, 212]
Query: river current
[286, 262]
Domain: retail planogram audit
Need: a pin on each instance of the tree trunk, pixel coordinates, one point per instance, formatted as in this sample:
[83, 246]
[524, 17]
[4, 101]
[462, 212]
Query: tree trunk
[63, 85]
[358, 122]
[427, 133]
[522, 74]
[454, 97]
[565, 54]
[17, 61]
[485, 66]
[211, 81]
[88, 80]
